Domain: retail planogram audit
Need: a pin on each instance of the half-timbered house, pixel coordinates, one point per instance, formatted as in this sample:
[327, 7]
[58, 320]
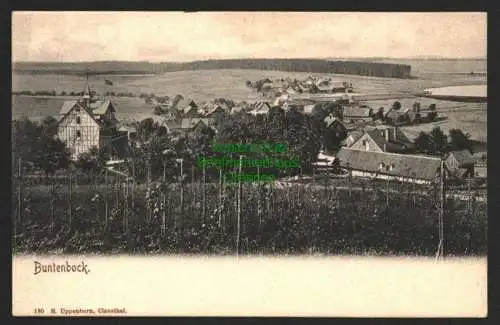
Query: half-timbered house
[86, 123]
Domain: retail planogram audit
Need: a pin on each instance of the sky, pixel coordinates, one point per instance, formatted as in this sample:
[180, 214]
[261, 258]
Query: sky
[180, 37]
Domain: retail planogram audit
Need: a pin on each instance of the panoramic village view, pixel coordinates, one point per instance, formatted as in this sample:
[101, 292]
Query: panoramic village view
[367, 154]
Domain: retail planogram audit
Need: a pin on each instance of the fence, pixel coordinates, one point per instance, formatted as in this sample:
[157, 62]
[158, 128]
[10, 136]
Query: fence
[74, 212]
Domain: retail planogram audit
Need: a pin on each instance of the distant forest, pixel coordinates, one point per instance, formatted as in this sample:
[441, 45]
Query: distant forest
[363, 68]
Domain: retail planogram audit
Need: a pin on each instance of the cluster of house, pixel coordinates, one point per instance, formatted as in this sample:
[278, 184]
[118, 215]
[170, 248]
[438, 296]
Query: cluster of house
[386, 152]
[378, 151]
[311, 84]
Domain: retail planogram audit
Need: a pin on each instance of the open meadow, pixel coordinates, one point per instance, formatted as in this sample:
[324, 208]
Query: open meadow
[209, 84]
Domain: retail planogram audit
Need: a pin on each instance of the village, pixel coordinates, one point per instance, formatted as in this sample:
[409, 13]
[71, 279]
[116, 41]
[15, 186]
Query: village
[370, 141]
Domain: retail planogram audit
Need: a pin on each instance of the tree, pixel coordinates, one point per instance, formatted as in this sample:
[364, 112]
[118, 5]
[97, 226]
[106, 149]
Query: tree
[459, 140]
[158, 110]
[51, 155]
[439, 140]
[49, 126]
[396, 105]
[423, 143]
[25, 138]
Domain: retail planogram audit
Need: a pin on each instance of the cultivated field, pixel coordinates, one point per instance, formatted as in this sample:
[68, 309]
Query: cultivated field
[210, 84]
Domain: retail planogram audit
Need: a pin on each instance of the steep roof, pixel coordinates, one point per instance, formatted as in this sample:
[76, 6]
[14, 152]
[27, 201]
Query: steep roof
[173, 125]
[355, 134]
[100, 107]
[399, 142]
[420, 167]
[329, 120]
[188, 123]
[357, 111]
[67, 106]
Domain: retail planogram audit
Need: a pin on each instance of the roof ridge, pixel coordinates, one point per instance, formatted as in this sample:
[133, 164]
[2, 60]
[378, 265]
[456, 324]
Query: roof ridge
[392, 153]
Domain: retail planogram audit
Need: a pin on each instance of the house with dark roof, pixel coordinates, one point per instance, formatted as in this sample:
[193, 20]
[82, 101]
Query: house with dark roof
[352, 137]
[397, 117]
[357, 111]
[384, 139]
[215, 111]
[384, 165]
[261, 108]
[88, 122]
[460, 163]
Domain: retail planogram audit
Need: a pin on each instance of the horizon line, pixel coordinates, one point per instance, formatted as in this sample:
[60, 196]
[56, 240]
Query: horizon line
[429, 57]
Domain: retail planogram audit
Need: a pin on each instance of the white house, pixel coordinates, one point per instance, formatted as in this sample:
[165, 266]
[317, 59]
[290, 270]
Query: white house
[87, 123]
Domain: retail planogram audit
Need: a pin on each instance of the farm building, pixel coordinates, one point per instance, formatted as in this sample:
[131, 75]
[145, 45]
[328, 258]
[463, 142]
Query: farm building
[333, 123]
[129, 130]
[88, 122]
[261, 108]
[384, 165]
[192, 112]
[215, 111]
[460, 163]
[357, 111]
[396, 117]
[352, 137]
[384, 139]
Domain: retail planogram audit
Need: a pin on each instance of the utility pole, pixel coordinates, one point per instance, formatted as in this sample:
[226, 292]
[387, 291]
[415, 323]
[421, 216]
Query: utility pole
[19, 191]
[70, 204]
[387, 192]
[149, 184]
[469, 198]
[204, 195]
[164, 188]
[440, 251]
[106, 197]
[179, 224]
[258, 197]
[239, 210]
[220, 197]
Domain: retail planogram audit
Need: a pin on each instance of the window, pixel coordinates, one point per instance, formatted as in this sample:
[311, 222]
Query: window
[78, 134]
[77, 110]
[78, 120]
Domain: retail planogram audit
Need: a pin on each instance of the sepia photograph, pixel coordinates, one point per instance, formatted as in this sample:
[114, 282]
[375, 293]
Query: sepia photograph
[229, 137]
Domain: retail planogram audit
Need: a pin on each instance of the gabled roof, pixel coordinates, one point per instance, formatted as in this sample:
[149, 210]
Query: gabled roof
[329, 120]
[355, 134]
[395, 114]
[173, 125]
[400, 142]
[67, 106]
[355, 111]
[188, 123]
[262, 105]
[463, 157]
[101, 107]
[214, 108]
[419, 167]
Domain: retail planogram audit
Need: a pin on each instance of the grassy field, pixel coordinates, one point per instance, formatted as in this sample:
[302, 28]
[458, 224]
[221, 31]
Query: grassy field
[210, 84]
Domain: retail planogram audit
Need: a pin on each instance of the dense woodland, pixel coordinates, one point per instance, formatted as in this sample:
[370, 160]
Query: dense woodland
[388, 70]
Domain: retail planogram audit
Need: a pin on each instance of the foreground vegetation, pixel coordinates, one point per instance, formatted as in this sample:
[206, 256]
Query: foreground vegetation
[273, 221]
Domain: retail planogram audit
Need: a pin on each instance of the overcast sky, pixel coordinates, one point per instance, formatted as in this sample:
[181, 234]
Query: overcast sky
[177, 36]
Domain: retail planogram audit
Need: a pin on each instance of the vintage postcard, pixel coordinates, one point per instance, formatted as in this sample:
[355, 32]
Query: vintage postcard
[249, 164]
